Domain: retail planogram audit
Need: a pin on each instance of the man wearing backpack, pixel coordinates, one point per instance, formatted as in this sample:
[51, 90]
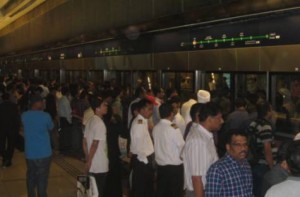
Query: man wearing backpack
[262, 146]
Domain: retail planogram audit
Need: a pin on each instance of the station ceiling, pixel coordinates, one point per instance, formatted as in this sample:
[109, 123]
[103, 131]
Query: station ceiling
[11, 10]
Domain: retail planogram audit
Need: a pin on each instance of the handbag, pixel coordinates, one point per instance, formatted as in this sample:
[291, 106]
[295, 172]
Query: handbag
[86, 186]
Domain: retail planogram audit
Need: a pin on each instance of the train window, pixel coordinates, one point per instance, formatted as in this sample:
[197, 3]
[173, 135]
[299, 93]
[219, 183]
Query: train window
[148, 79]
[285, 98]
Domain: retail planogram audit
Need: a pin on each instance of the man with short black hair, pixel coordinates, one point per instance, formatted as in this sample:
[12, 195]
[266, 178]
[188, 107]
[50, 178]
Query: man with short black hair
[175, 101]
[142, 151]
[263, 149]
[200, 151]
[36, 124]
[168, 144]
[291, 186]
[231, 176]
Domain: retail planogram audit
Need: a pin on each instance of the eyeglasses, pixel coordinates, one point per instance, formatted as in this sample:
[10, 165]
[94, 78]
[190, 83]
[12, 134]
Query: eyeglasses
[240, 145]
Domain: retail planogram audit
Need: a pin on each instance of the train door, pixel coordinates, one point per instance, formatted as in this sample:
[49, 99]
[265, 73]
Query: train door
[183, 82]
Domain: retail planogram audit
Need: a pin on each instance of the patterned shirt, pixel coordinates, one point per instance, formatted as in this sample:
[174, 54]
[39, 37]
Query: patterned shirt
[263, 133]
[229, 178]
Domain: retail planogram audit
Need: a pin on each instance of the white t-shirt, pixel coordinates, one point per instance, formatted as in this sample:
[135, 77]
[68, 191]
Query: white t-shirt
[168, 143]
[288, 188]
[96, 130]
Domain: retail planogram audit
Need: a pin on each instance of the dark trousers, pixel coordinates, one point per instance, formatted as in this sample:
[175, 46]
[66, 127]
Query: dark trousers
[169, 181]
[100, 181]
[37, 176]
[65, 136]
[77, 136]
[142, 178]
[258, 171]
[7, 144]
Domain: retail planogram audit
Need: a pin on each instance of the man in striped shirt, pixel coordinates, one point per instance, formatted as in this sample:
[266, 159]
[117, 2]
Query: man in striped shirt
[200, 151]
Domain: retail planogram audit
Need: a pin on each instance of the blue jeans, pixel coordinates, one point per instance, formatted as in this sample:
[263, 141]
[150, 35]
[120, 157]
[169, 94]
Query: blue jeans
[37, 176]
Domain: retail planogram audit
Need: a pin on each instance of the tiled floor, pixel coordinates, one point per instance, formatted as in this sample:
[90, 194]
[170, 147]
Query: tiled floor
[62, 181]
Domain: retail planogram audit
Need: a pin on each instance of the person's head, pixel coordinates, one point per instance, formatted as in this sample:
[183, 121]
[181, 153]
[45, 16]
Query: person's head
[134, 109]
[140, 92]
[166, 111]
[210, 117]
[237, 144]
[65, 90]
[293, 158]
[194, 112]
[175, 102]
[145, 108]
[203, 96]
[240, 103]
[98, 105]
[158, 92]
[170, 92]
[264, 109]
[36, 102]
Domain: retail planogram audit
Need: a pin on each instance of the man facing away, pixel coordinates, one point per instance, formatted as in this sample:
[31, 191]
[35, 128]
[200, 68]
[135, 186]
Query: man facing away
[168, 144]
[291, 186]
[200, 152]
[231, 175]
[37, 125]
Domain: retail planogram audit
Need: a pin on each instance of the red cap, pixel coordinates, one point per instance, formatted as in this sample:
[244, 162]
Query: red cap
[151, 99]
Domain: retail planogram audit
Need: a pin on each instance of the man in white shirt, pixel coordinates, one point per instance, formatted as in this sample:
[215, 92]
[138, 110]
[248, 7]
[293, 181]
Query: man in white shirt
[168, 144]
[203, 96]
[95, 146]
[142, 152]
[200, 152]
[291, 186]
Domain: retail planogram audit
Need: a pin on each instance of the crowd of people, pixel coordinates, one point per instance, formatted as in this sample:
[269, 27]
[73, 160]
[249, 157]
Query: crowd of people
[194, 147]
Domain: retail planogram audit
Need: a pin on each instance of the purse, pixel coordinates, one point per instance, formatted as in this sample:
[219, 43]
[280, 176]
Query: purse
[86, 186]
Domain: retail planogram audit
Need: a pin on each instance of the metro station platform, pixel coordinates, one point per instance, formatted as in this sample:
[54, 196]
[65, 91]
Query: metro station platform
[62, 178]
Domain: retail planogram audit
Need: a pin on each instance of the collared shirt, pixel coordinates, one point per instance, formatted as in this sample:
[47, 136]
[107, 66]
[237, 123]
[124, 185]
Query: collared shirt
[199, 154]
[229, 178]
[64, 108]
[186, 108]
[141, 143]
[179, 121]
[95, 130]
[288, 188]
[168, 143]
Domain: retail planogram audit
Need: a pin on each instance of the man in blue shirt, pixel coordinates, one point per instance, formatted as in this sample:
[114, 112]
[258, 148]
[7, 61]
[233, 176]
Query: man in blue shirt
[37, 125]
[231, 175]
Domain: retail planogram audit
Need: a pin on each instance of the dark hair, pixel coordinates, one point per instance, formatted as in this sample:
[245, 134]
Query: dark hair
[234, 132]
[282, 151]
[139, 91]
[95, 102]
[156, 90]
[143, 103]
[134, 106]
[170, 91]
[165, 110]
[65, 90]
[240, 102]
[263, 107]
[174, 99]
[195, 109]
[293, 158]
[208, 109]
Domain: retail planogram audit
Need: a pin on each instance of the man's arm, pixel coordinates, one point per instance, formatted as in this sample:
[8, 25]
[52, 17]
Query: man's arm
[268, 154]
[198, 186]
[90, 154]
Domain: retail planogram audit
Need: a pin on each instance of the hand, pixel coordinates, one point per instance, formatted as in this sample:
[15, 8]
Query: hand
[87, 166]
